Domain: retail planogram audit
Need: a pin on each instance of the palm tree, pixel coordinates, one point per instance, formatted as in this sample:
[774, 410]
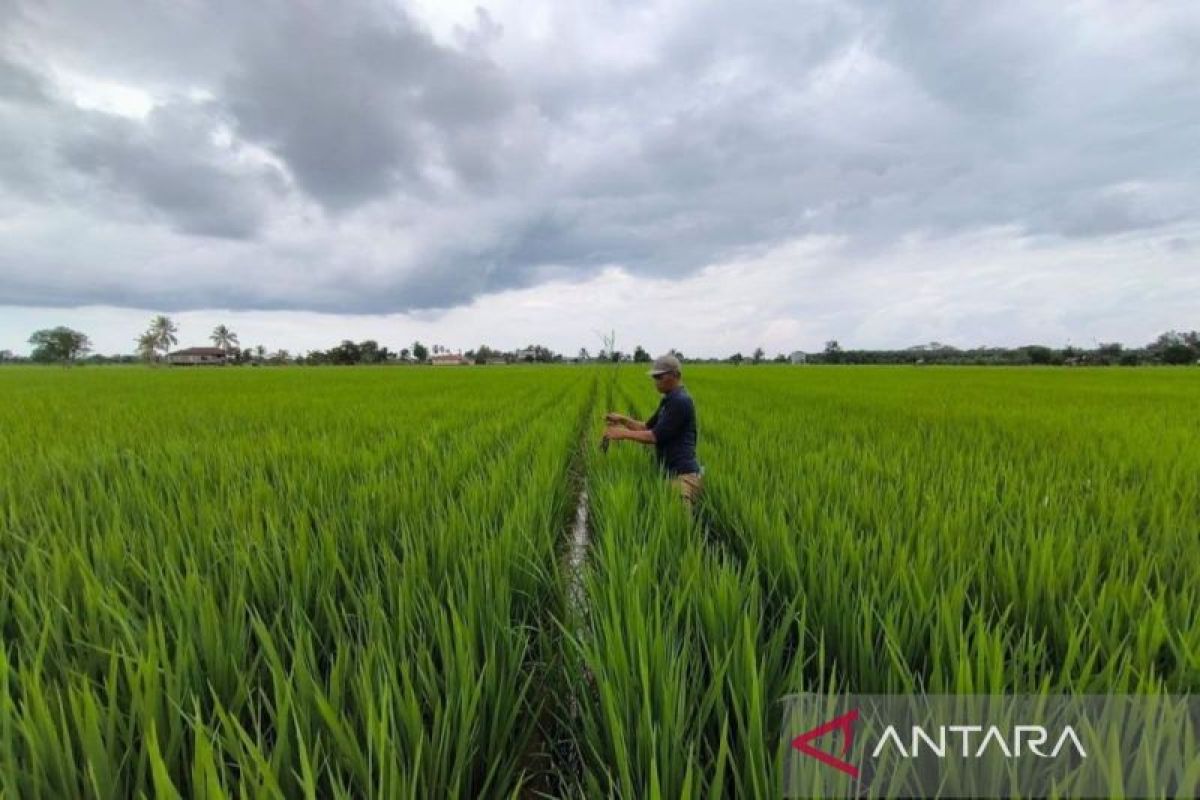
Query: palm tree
[260, 351]
[224, 338]
[163, 330]
[146, 346]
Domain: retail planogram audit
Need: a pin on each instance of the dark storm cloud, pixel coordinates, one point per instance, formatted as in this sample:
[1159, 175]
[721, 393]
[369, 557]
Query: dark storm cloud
[357, 162]
[360, 103]
[170, 165]
[19, 84]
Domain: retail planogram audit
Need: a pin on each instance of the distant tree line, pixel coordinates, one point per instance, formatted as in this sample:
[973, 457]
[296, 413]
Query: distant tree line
[1169, 348]
[370, 352]
[367, 351]
[66, 346]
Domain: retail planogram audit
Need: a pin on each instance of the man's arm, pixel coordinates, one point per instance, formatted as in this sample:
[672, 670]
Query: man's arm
[643, 434]
[665, 424]
[613, 418]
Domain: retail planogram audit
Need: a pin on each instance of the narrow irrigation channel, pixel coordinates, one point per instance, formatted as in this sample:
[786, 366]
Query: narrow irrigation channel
[580, 534]
[577, 554]
[574, 567]
[552, 761]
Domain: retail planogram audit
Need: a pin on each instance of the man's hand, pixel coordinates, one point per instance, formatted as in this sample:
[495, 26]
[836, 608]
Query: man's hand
[628, 423]
[614, 432]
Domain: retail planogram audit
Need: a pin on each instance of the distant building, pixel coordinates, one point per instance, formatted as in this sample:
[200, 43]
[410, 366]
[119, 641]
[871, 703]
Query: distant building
[448, 360]
[526, 354]
[798, 357]
[195, 356]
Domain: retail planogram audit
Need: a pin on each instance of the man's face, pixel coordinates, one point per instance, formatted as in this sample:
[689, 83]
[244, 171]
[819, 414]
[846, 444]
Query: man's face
[665, 382]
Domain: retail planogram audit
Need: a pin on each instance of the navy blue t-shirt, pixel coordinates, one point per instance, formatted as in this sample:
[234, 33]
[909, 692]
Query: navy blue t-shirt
[674, 426]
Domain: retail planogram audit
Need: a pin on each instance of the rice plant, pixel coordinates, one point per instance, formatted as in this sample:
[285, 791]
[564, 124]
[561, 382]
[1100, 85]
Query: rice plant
[890, 531]
[355, 583]
[295, 584]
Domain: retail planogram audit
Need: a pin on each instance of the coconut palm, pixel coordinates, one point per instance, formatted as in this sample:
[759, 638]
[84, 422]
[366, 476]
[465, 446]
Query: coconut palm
[224, 338]
[146, 346]
[260, 351]
[163, 330]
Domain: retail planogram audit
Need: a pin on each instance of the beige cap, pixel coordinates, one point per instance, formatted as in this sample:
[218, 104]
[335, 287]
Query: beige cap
[667, 363]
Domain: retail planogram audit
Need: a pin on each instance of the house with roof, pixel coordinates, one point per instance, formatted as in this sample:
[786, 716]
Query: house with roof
[448, 360]
[197, 356]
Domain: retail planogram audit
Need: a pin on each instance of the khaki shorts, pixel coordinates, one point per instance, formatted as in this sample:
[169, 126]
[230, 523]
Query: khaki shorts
[689, 486]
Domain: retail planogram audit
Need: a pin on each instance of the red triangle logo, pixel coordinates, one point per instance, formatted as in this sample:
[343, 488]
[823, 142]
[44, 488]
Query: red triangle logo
[845, 724]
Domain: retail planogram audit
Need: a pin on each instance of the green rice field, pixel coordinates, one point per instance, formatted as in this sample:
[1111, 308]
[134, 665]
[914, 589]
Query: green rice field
[362, 582]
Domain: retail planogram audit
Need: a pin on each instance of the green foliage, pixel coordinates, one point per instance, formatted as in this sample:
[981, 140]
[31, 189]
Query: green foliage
[58, 344]
[932, 514]
[224, 338]
[160, 335]
[1039, 354]
[1178, 353]
[352, 583]
[948, 530]
[281, 583]
[484, 354]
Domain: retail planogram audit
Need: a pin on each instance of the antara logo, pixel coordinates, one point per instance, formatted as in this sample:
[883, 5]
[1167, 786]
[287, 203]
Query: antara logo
[1023, 739]
[1032, 737]
[845, 724]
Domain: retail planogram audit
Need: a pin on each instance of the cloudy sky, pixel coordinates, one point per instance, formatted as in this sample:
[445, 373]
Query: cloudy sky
[706, 176]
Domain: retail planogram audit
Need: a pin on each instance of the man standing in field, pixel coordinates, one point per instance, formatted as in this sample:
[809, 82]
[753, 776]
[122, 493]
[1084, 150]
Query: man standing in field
[671, 429]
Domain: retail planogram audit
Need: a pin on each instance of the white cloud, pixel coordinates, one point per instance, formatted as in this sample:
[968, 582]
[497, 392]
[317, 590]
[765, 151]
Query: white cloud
[110, 97]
